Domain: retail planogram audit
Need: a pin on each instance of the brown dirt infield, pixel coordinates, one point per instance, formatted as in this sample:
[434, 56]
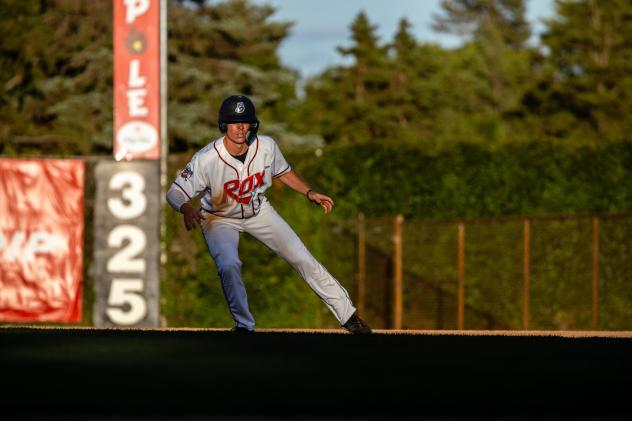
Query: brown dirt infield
[517, 333]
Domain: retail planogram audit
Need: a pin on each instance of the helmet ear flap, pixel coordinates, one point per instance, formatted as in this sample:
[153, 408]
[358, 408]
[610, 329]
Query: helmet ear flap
[222, 127]
[252, 132]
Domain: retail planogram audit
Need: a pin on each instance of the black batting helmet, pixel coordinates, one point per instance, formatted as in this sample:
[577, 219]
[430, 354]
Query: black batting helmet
[237, 109]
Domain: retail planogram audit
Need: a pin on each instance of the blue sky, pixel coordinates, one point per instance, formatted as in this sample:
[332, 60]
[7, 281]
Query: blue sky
[322, 25]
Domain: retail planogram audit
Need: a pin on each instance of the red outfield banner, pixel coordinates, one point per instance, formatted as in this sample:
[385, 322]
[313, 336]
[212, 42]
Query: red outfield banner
[41, 240]
[136, 79]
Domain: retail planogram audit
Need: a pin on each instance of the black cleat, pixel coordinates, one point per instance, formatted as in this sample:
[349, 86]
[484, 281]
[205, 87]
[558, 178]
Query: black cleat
[239, 329]
[357, 326]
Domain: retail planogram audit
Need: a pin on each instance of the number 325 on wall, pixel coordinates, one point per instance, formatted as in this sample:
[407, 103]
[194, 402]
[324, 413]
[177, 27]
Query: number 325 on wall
[126, 232]
[130, 241]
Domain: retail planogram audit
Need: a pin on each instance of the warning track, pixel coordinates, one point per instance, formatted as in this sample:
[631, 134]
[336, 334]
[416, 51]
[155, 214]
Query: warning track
[190, 372]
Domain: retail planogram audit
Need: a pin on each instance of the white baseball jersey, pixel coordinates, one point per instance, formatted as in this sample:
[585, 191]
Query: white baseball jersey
[234, 191]
[228, 187]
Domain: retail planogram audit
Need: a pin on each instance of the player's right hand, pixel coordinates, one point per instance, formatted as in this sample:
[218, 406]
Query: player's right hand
[324, 201]
[192, 217]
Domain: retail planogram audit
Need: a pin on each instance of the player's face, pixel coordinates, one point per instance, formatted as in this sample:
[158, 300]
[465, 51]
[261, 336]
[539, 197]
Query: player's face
[236, 132]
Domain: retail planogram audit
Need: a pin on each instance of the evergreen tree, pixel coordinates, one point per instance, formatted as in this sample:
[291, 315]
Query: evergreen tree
[402, 90]
[504, 19]
[348, 104]
[586, 94]
[57, 76]
[414, 95]
[368, 55]
[56, 72]
[216, 50]
[495, 60]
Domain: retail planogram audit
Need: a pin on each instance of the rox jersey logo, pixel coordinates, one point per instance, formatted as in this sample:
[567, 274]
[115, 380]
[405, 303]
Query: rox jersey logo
[243, 191]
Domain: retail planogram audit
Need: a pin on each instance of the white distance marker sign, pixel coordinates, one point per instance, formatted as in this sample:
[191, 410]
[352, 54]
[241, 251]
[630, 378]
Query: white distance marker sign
[127, 244]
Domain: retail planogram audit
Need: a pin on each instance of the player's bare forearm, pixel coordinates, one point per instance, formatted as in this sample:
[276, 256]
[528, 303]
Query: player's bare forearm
[293, 181]
[296, 183]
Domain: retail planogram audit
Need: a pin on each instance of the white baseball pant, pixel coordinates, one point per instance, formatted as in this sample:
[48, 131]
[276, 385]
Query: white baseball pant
[222, 239]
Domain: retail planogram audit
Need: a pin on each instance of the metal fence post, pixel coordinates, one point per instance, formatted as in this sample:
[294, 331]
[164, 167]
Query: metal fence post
[595, 272]
[361, 269]
[526, 280]
[461, 276]
[398, 269]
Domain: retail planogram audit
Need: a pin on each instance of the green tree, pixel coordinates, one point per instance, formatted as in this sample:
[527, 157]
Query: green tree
[504, 19]
[496, 61]
[57, 77]
[216, 50]
[347, 104]
[404, 90]
[367, 54]
[56, 73]
[420, 90]
[586, 93]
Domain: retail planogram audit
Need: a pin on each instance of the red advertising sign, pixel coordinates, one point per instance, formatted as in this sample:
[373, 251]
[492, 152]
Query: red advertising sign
[41, 240]
[136, 79]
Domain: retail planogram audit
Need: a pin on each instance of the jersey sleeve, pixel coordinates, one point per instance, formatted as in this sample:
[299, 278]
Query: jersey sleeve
[279, 165]
[191, 179]
[176, 197]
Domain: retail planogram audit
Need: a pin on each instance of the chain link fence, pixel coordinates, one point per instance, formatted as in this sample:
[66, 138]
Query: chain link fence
[551, 273]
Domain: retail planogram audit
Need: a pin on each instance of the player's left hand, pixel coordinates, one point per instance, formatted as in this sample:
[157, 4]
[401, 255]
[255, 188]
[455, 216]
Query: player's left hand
[325, 202]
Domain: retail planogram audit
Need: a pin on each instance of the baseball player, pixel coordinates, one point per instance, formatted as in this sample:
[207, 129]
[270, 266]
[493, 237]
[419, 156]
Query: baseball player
[231, 175]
